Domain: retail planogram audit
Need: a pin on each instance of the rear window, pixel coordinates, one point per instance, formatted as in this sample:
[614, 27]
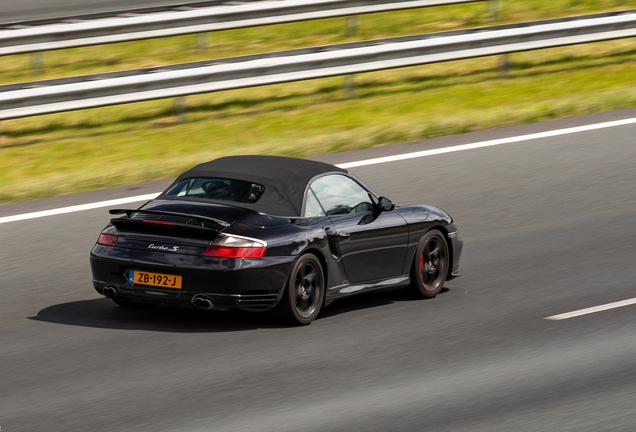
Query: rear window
[218, 189]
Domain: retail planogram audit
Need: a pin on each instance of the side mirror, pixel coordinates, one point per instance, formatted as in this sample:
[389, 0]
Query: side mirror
[386, 204]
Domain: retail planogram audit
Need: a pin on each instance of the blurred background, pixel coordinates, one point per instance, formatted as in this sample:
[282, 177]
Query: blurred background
[90, 149]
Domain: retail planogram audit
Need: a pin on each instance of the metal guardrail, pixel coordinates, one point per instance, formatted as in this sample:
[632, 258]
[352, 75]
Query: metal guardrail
[79, 31]
[43, 97]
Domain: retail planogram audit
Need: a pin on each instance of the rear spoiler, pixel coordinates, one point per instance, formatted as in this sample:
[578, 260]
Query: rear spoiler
[129, 212]
[200, 229]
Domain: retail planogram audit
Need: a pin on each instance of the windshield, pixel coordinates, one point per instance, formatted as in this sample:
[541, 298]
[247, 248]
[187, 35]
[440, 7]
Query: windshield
[218, 189]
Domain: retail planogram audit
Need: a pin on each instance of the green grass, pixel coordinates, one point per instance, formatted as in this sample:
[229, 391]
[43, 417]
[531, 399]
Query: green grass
[114, 146]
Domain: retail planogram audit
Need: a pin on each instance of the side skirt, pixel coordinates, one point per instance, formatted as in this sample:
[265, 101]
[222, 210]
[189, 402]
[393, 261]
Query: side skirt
[347, 290]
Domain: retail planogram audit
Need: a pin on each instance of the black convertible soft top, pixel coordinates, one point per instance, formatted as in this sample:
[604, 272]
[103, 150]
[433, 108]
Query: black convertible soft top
[285, 180]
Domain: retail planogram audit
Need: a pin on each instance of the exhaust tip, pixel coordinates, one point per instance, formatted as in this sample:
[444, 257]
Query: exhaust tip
[202, 303]
[109, 292]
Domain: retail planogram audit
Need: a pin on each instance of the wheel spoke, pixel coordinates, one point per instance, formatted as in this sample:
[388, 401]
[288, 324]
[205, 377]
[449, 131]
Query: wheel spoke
[310, 280]
[303, 304]
[434, 253]
[302, 272]
[298, 292]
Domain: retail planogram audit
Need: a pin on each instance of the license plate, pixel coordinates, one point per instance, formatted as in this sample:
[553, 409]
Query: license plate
[154, 279]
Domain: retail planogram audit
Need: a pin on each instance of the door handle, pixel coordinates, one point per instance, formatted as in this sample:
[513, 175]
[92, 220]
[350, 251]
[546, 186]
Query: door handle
[344, 235]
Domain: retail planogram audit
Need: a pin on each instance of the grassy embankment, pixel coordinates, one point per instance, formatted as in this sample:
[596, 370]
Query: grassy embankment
[113, 146]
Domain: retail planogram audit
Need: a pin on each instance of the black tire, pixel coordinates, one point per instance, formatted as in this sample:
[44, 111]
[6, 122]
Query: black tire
[304, 293]
[430, 265]
[133, 304]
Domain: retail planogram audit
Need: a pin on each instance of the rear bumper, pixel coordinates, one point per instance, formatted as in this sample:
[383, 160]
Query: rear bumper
[243, 283]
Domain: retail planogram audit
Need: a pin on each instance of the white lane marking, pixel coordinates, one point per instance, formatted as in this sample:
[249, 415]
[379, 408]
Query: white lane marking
[77, 208]
[374, 161]
[490, 143]
[592, 310]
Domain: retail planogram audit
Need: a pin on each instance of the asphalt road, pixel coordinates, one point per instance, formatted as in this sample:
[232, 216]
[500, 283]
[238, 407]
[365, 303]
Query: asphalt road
[548, 226]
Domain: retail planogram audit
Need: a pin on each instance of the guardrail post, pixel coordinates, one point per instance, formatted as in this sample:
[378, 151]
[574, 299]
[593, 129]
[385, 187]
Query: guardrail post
[353, 24]
[202, 40]
[349, 82]
[494, 7]
[37, 63]
[349, 85]
[504, 65]
[180, 108]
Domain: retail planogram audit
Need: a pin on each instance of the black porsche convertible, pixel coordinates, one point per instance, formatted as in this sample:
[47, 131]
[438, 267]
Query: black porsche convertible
[264, 232]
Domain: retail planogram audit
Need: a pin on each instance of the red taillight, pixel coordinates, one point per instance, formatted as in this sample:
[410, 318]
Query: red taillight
[107, 239]
[233, 246]
[234, 252]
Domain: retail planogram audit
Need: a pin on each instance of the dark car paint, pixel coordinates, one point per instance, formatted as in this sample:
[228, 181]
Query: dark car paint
[370, 250]
[359, 252]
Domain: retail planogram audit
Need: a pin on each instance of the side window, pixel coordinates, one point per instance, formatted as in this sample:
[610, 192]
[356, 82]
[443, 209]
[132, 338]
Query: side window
[312, 207]
[339, 194]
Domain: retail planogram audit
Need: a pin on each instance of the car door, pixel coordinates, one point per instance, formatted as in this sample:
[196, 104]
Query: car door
[372, 246]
